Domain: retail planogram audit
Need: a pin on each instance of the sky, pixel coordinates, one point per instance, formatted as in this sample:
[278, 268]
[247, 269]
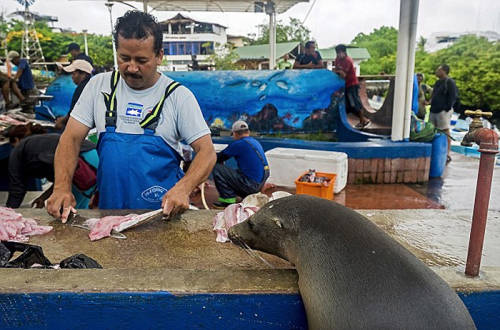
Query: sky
[330, 21]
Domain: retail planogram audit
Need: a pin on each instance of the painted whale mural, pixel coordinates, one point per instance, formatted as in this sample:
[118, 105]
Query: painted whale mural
[271, 101]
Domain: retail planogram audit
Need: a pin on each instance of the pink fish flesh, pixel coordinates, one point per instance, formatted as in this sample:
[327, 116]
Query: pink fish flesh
[14, 227]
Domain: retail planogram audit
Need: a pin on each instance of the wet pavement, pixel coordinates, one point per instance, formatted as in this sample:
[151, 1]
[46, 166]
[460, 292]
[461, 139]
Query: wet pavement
[456, 189]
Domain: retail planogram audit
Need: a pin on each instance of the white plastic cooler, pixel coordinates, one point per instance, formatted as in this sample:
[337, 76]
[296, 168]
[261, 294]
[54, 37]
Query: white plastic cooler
[287, 164]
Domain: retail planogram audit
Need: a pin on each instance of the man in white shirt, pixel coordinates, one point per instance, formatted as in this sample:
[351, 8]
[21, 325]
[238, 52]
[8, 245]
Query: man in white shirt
[141, 117]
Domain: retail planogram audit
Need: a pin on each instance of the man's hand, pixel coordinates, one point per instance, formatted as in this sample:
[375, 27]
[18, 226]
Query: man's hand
[175, 201]
[61, 201]
[340, 73]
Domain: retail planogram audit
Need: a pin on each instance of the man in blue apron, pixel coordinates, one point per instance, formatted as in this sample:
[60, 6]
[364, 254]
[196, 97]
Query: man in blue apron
[141, 117]
[252, 172]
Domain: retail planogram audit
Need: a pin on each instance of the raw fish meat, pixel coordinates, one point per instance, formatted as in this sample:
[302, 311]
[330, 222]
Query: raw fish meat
[14, 227]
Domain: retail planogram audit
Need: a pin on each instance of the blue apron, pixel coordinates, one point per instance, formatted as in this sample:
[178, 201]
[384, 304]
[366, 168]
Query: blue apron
[135, 170]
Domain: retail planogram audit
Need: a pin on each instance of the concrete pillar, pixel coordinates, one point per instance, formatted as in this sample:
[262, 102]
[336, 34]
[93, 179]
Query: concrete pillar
[271, 11]
[405, 62]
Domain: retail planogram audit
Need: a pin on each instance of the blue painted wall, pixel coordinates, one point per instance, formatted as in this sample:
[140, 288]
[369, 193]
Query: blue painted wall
[484, 307]
[271, 101]
[296, 95]
[365, 150]
[162, 310]
[159, 310]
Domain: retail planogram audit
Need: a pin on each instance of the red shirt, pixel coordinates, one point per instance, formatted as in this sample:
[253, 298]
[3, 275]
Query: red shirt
[345, 64]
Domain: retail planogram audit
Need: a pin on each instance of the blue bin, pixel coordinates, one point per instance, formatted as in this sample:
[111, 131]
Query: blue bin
[438, 156]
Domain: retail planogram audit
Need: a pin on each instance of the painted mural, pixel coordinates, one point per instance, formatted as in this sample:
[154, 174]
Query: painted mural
[270, 101]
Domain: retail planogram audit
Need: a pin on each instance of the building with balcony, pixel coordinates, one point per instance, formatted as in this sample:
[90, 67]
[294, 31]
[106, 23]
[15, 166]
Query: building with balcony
[184, 37]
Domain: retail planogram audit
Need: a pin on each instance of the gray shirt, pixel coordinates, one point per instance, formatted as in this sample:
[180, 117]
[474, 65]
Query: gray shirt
[181, 118]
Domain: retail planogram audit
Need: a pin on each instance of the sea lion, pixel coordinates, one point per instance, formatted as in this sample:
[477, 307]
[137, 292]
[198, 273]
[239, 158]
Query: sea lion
[352, 275]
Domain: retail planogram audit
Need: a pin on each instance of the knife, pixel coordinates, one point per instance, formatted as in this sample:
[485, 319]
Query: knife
[77, 221]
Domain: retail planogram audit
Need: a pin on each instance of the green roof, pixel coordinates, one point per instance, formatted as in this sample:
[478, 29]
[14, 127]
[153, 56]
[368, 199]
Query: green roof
[352, 52]
[261, 52]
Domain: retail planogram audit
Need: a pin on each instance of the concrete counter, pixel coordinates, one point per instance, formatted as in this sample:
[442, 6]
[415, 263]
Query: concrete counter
[181, 255]
[174, 275]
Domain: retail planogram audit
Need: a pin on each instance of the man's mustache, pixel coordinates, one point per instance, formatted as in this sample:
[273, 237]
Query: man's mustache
[133, 75]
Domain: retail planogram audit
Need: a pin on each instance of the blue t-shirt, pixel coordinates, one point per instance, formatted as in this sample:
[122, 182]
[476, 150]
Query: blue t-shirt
[246, 157]
[26, 79]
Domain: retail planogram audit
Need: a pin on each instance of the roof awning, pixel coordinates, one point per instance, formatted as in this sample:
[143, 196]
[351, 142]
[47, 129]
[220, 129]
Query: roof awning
[261, 52]
[219, 5]
[246, 6]
[353, 52]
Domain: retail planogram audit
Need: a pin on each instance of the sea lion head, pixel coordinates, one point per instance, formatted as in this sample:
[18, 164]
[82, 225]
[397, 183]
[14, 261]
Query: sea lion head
[273, 229]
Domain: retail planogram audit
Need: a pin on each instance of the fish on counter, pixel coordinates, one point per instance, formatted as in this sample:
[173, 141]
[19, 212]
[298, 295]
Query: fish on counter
[113, 225]
[14, 227]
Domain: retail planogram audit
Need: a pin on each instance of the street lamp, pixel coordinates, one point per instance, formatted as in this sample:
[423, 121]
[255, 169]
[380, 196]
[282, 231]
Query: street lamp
[85, 42]
[110, 5]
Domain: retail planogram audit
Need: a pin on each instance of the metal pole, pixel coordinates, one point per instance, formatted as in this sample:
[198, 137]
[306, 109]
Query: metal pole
[272, 41]
[110, 5]
[411, 67]
[145, 6]
[488, 144]
[26, 45]
[401, 72]
[271, 11]
[85, 42]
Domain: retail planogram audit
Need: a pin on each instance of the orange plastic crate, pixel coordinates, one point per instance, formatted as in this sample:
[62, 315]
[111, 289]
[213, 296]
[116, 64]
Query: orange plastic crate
[316, 189]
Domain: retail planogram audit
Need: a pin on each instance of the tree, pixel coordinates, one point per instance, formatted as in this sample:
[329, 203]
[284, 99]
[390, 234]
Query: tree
[293, 31]
[421, 44]
[382, 44]
[225, 59]
[55, 44]
[474, 65]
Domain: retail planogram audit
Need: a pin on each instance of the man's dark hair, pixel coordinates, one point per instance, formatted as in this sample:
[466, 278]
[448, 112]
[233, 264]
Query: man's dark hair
[445, 68]
[138, 25]
[73, 46]
[340, 48]
[310, 43]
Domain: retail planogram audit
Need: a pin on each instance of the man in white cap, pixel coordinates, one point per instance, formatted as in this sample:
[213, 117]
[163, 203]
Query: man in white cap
[81, 71]
[252, 172]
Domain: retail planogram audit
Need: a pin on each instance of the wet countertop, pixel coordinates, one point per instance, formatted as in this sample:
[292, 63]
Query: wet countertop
[181, 255]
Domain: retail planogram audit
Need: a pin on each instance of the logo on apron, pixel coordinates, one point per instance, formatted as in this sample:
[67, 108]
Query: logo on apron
[153, 194]
[134, 110]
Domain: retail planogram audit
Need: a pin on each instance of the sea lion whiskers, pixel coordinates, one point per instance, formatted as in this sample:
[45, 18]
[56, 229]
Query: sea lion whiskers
[250, 251]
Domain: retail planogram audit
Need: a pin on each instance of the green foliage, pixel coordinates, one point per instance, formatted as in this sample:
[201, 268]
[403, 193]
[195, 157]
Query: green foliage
[293, 31]
[55, 44]
[226, 59]
[474, 65]
[382, 44]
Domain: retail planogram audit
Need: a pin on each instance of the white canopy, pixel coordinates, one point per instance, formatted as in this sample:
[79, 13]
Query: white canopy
[281, 6]
[248, 6]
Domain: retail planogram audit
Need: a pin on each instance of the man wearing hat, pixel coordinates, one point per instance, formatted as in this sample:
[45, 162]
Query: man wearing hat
[252, 172]
[22, 83]
[76, 54]
[81, 71]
